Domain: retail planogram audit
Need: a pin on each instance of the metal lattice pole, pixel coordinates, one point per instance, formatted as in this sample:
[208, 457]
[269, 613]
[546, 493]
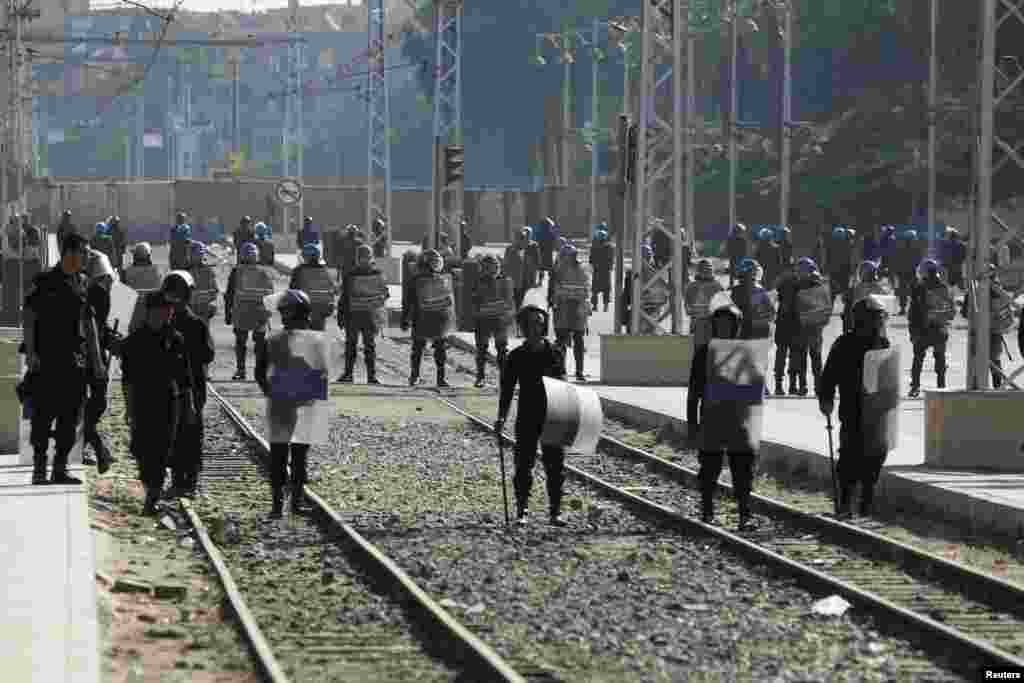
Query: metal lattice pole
[447, 115]
[734, 31]
[657, 152]
[933, 77]
[786, 151]
[991, 99]
[378, 117]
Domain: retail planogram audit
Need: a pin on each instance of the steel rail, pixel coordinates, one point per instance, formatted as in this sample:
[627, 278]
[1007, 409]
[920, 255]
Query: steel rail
[944, 636]
[471, 652]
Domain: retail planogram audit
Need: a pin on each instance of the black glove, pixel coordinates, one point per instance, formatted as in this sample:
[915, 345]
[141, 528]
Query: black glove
[265, 388]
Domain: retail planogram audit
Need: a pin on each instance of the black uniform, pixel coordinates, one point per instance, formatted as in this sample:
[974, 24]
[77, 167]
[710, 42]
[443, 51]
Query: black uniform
[66, 227]
[243, 234]
[839, 259]
[241, 336]
[156, 375]
[926, 332]
[527, 367]
[410, 316]
[741, 463]
[787, 327]
[770, 258]
[98, 299]
[356, 324]
[736, 249]
[188, 445]
[119, 239]
[602, 260]
[845, 369]
[58, 303]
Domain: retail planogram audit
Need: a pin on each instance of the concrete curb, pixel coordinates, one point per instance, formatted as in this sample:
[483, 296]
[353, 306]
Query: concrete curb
[896, 490]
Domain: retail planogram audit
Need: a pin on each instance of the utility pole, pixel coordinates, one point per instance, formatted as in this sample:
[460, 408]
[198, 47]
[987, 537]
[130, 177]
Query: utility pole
[447, 202]
[786, 151]
[933, 78]
[378, 123]
[293, 143]
[594, 125]
[733, 102]
[656, 140]
[990, 100]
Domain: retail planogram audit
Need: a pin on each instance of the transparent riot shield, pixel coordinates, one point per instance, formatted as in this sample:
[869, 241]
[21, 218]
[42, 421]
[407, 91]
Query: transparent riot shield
[733, 402]
[881, 407]
[574, 417]
[298, 369]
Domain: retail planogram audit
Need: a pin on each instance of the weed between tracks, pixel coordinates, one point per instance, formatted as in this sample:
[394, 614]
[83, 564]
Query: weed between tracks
[610, 598]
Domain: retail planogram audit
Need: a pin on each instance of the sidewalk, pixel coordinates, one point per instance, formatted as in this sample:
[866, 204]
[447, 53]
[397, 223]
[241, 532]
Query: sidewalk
[795, 439]
[49, 630]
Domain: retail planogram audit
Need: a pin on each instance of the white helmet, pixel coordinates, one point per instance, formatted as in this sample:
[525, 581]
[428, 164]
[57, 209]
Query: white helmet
[99, 266]
[142, 250]
[184, 275]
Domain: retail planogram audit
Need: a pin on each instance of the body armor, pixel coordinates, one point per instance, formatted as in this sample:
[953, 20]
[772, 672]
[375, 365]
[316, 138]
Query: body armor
[814, 306]
[572, 298]
[143, 279]
[252, 284]
[367, 296]
[267, 252]
[495, 304]
[205, 291]
[318, 284]
[1002, 314]
[938, 306]
[436, 300]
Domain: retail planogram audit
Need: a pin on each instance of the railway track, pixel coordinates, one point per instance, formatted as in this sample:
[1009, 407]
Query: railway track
[954, 608]
[310, 592]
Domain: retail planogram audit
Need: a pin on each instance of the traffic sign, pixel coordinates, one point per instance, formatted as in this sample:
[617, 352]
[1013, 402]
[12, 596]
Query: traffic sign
[288, 192]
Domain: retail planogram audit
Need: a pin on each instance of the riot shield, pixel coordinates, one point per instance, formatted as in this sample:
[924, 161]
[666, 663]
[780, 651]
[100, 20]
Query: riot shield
[574, 417]
[122, 305]
[732, 406]
[298, 371]
[881, 405]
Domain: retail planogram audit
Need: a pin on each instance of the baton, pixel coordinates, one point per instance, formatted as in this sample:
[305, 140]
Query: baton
[832, 463]
[504, 489]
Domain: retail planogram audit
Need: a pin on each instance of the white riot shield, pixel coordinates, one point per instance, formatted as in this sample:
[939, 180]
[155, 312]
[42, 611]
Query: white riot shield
[733, 402]
[122, 306]
[298, 371]
[881, 406]
[574, 417]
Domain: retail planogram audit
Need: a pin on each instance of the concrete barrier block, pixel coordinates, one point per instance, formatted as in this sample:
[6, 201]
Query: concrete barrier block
[978, 430]
[11, 363]
[646, 360]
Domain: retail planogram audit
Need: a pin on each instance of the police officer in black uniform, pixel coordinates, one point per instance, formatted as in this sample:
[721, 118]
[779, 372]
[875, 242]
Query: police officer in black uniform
[844, 369]
[526, 365]
[101, 278]
[188, 445]
[64, 228]
[56, 314]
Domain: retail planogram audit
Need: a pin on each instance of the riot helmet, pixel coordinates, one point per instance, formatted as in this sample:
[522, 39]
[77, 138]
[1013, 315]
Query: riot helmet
[602, 236]
[432, 261]
[246, 220]
[178, 286]
[142, 253]
[311, 253]
[726, 322]
[805, 266]
[869, 316]
[99, 269]
[739, 230]
[490, 265]
[180, 218]
[765, 235]
[839, 233]
[526, 233]
[929, 269]
[532, 320]
[704, 270]
[262, 231]
[646, 251]
[748, 266]
[197, 252]
[295, 307]
[102, 230]
[249, 253]
[364, 254]
[868, 271]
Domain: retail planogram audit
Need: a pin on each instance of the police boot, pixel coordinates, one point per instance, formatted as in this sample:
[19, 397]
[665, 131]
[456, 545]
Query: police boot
[845, 501]
[298, 481]
[60, 471]
[556, 508]
[779, 389]
[867, 498]
[277, 505]
[371, 370]
[743, 507]
[707, 506]
[577, 352]
[278, 472]
[793, 385]
[481, 364]
[414, 367]
[441, 383]
[802, 391]
[350, 361]
[522, 510]
[941, 379]
[39, 469]
[149, 506]
[103, 456]
[239, 364]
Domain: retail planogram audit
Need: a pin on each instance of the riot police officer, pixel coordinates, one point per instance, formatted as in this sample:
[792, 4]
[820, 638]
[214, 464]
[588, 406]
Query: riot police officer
[181, 235]
[56, 328]
[931, 312]
[602, 260]
[144, 277]
[785, 238]
[65, 228]
[697, 300]
[265, 244]
[156, 379]
[954, 254]
[492, 305]
[361, 311]
[737, 249]
[291, 362]
[313, 278]
[103, 241]
[906, 258]
[569, 296]
[430, 309]
[308, 233]
[1001, 319]
[248, 283]
[753, 301]
[204, 294]
[178, 288]
[839, 259]
[522, 263]
[243, 235]
[100, 279]
[713, 424]
[868, 282]
[787, 330]
[526, 366]
[119, 239]
[768, 256]
[812, 304]
[381, 245]
[861, 452]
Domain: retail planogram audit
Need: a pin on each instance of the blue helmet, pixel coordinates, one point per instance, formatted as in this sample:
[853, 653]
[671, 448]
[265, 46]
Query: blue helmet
[567, 250]
[602, 236]
[839, 233]
[929, 266]
[183, 230]
[806, 265]
[262, 231]
[249, 250]
[646, 250]
[909, 235]
[102, 230]
[197, 251]
[294, 303]
[526, 230]
[746, 266]
[765, 235]
[311, 251]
